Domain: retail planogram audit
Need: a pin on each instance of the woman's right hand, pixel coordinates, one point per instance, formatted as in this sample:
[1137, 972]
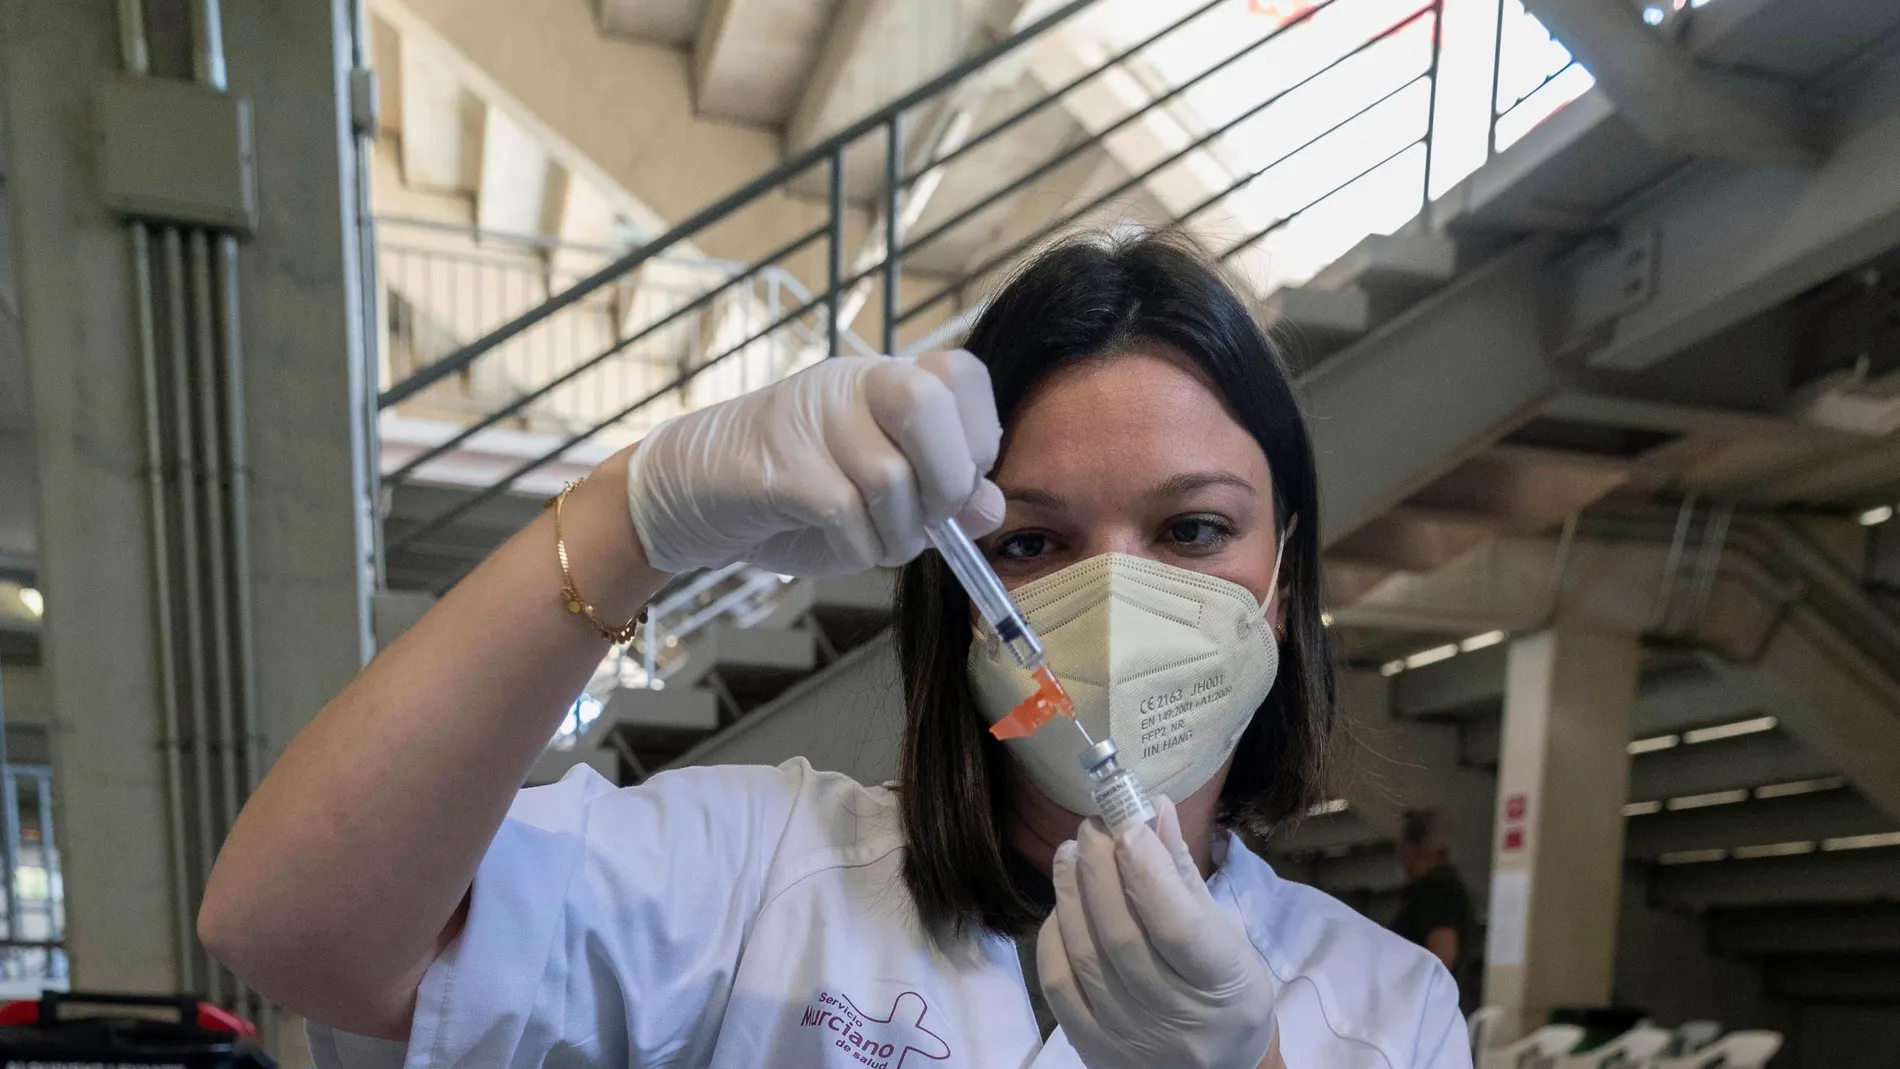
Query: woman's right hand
[831, 471]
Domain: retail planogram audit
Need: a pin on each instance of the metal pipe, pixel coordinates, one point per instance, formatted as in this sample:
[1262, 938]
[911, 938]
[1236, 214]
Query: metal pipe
[893, 240]
[11, 809]
[725, 206]
[135, 53]
[1714, 536]
[190, 560]
[213, 481]
[170, 685]
[238, 498]
[408, 468]
[49, 855]
[834, 249]
[9, 849]
[1010, 252]
[207, 41]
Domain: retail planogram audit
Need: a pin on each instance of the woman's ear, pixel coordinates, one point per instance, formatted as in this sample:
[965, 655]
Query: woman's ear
[1278, 616]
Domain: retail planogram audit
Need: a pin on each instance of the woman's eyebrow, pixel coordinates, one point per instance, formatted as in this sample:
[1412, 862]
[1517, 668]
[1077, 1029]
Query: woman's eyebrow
[1038, 498]
[1188, 482]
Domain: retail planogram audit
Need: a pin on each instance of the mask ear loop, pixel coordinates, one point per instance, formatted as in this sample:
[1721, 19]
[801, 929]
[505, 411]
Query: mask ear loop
[1273, 587]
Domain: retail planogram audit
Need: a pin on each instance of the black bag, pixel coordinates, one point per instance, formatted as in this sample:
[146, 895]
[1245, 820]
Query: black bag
[202, 1037]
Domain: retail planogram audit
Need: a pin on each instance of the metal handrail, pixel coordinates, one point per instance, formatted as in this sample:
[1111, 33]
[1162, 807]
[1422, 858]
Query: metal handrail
[807, 304]
[829, 150]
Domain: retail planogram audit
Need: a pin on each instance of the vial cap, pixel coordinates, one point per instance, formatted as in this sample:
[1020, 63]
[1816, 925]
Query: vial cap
[1097, 755]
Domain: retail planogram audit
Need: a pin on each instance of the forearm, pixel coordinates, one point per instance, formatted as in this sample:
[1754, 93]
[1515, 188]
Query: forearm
[335, 889]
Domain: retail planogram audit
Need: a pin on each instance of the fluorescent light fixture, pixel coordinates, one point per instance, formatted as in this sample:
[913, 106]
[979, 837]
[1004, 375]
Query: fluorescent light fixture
[1337, 805]
[1692, 857]
[1642, 809]
[1431, 656]
[1800, 786]
[1478, 642]
[1729, 731]
[1703, 801]
[1654, 15]
[1651, 745]
[1862, 842]
[33, 601]
[1391, 668]
[1326, 619]
[1876, 516]
[1746, 853]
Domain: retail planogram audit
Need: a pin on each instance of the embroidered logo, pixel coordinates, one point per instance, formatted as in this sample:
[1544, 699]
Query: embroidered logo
[878, 1042]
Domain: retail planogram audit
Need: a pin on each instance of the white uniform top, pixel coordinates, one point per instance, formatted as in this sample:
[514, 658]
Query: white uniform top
[744, 916]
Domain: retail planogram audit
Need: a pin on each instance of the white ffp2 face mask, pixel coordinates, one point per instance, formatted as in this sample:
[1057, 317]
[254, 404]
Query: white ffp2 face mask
[1170, 663]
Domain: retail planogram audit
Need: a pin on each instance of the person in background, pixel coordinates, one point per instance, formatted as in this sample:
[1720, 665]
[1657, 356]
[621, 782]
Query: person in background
[1435, 908]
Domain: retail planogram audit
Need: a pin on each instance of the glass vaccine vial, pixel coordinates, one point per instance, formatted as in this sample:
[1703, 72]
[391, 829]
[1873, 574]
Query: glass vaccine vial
[1118, 796]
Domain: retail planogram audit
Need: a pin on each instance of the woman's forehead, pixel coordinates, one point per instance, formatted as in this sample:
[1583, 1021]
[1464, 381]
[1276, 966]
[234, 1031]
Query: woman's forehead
[1143, 414]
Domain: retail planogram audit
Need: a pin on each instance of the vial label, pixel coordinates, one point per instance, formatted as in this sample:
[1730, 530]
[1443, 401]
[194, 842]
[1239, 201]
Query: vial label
[1120, 802]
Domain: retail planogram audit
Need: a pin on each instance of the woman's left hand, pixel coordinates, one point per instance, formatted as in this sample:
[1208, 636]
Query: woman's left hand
[1140, 967]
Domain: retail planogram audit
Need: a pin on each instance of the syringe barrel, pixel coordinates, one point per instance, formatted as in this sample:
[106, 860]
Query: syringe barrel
[986, 591]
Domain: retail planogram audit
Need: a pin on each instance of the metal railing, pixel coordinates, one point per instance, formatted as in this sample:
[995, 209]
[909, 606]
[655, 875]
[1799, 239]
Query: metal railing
[1396, 118]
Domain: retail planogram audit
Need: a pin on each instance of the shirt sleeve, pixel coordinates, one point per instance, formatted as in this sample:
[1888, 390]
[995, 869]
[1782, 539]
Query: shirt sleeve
[604, 926]
[1443, 1042]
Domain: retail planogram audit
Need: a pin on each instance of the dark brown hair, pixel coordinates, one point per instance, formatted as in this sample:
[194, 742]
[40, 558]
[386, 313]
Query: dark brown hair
[1088, 297]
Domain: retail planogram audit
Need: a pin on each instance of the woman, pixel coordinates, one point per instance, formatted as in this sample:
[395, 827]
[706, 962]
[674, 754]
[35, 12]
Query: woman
[1151, 500]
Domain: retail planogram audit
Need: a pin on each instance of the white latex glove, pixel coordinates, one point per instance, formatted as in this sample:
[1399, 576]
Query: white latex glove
[831, 471]
[1140, 967]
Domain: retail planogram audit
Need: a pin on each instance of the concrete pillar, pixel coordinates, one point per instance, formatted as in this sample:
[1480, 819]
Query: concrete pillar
[301, 381]
[1563, 777]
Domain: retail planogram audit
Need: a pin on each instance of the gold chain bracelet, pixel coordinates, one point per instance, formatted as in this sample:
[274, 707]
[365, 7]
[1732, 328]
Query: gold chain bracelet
[571, 594]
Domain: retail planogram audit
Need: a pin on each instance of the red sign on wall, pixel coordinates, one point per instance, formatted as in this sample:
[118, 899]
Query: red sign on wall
[1514, 838]
[1516, 806]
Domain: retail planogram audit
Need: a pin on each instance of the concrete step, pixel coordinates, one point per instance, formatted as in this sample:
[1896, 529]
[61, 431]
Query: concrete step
[1312, 324]
[1800, 818]
[1393, 271]
[849, 610]
[1842, 877]
[1328, 833]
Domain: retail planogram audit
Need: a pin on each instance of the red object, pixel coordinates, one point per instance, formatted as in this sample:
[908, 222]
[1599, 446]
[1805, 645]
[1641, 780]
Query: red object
[1515, 807]
[1049, 702]
[1514, 838]
[210, 1018]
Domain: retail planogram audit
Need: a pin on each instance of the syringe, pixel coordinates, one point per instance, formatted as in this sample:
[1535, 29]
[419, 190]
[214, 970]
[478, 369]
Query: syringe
[994, 605]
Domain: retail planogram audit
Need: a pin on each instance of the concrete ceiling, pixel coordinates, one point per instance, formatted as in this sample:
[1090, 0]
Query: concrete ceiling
[666, 22]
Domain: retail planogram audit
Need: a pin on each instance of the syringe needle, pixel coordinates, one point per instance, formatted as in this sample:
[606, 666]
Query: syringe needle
[1085, 731]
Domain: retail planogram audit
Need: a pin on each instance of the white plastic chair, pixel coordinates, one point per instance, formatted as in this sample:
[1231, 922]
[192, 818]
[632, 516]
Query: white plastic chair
[1634, 1049]
[1481, 1024]
[1737, 1050]
[1692, 1036]
[1539, 1050]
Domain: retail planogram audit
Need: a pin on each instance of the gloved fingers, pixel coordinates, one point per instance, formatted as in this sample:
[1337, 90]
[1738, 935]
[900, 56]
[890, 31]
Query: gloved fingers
[984, 511]
[1065, 996]
[1168, 827]
[919, 413]
[969, 380]
[1126, 955]
[828, 504]
[1181, 919]
[885, 484]
[1078, 933]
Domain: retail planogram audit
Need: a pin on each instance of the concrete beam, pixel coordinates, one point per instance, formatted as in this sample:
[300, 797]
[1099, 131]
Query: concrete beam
[1469, 684]
[511, 191]
[665, 22]
[1798, 930]
[751, 57]
[1799, 818]
[1732, 243]
[1439, 383]
[1844, 877]
[1724, 765]
[1660, 90]
[1680, 701]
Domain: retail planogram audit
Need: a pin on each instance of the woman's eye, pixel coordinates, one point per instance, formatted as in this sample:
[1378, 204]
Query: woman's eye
[1022, 546]
[1198, 533]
